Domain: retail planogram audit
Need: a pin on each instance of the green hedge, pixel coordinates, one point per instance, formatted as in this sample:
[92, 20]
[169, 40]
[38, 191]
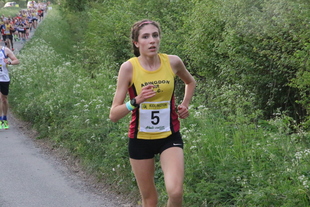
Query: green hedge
[246, 64]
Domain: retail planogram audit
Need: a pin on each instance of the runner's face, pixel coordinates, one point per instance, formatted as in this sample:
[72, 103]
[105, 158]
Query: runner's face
[148, 40]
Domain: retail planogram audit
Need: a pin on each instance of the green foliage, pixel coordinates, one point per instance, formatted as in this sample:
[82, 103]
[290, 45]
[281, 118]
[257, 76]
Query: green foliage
[253, 45]
[251, 61]
[233, 164]
[62, 35]
[107, 30]
[9, 11]
[74, 5]
[107, 26]
[302, 80]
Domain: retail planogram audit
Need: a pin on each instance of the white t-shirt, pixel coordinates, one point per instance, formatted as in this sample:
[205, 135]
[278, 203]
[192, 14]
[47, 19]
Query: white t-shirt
[4, 73]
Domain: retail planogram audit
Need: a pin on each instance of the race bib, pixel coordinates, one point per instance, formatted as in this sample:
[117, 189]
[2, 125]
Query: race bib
[154, 116]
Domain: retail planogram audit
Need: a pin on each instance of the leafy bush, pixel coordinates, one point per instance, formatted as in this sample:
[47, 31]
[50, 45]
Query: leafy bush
[253, 45]
[233, 156]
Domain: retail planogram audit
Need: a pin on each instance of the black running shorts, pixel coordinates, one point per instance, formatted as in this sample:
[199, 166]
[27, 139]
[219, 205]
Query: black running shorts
[146, 149]
[4, 88]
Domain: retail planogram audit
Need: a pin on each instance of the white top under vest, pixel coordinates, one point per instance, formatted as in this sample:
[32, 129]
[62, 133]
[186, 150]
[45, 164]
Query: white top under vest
[4, 73]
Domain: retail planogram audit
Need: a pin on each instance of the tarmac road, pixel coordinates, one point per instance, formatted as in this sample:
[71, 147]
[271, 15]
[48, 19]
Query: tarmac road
[29, 177]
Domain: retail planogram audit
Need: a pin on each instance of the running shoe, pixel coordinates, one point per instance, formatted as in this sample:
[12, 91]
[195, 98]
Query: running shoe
[1, 125]
[5, 124]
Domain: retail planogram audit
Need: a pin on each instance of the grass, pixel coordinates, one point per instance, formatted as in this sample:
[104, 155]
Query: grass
[246, 165]
[228, 162]
[10, 11]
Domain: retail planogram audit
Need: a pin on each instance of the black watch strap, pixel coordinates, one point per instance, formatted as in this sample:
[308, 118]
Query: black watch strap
[133, 102]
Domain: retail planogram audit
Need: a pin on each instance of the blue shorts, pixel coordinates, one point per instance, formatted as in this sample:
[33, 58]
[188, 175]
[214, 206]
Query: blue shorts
[140, 149]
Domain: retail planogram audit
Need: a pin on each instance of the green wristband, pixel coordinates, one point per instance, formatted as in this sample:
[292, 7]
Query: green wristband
[129, 106]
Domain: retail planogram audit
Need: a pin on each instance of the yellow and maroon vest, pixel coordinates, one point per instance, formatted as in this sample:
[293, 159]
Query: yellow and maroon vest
[156, 118]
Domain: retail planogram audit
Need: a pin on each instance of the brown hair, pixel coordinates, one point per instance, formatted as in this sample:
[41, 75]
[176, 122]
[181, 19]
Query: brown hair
[135, 29]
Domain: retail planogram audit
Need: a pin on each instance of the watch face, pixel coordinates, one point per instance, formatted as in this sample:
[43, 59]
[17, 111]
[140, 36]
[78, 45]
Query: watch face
[133, 102]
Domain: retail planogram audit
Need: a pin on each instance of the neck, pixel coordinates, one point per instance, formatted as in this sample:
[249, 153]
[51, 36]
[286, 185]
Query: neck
[150, 63]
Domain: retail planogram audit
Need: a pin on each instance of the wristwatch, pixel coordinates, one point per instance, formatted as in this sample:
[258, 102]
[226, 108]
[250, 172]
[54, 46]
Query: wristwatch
[10, 63]
[134, 103]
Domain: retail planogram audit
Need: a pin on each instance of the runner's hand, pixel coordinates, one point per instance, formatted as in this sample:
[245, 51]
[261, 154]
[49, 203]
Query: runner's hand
[146, 93]
[183, 111]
